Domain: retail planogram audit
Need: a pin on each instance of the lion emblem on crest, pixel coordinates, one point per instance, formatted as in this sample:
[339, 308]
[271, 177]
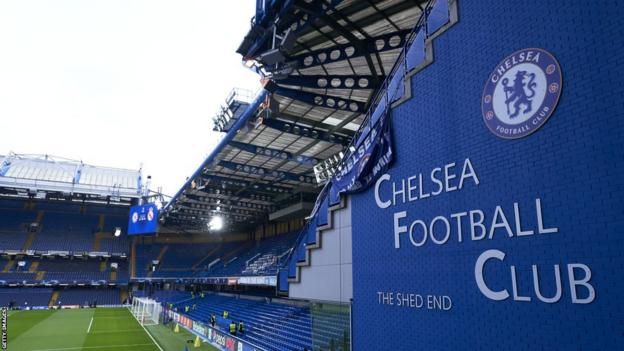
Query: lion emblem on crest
[519, 93]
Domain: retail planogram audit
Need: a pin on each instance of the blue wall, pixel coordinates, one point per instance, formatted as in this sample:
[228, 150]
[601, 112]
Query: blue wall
[574, 164]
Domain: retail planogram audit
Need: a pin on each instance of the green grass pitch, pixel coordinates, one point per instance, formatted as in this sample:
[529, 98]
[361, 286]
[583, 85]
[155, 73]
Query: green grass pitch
[102, 329]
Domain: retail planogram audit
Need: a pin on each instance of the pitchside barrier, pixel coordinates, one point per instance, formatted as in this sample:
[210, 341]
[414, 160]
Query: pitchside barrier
[65, 307]
[218, 338]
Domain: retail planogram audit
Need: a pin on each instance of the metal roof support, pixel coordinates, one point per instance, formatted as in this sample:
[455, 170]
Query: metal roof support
[330, 81]
[357, 43]
[233, 182]
[244, 196]
[249, 113]
[321, 127]
[265, 172]
[323, 100]
[238, 204]
[386, 42]
[294, 128]
[78, 173]
[363, 23]
[274, 153]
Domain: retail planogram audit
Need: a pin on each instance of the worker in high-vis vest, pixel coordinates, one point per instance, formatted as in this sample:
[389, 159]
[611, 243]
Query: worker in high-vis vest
[225, 314]
[232, 328]
[213, 319]
[241, 328]
[186, 308]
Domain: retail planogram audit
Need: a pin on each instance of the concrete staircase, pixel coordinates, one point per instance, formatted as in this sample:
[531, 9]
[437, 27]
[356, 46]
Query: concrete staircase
[29, 240]
[133, 258]
[208, 255]
[100, 234]
[33, 266]
[123, 294]
[53, 298]
[162, 253]
[8, 266]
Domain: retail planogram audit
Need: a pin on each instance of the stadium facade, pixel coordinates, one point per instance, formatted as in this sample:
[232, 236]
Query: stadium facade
[436, 174]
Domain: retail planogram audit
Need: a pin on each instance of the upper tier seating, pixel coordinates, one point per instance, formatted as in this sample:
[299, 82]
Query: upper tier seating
[12, 240]
[13, 227]
[67, 232]
[62, 227]
[264, 258]
[62, 270]
[18, 278]
[237, 258]
[16, 220]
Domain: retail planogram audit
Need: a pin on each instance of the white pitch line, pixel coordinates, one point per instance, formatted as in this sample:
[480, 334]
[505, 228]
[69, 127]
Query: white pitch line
[90, 323]
[118, 317]
[148, 333]
[116, 331]
[92, 347]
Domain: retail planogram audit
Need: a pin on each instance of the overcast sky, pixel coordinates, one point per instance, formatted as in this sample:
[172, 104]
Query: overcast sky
[120, 83]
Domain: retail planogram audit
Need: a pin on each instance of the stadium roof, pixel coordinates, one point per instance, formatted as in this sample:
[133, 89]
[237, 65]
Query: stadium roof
[321, 64]
[44, 176]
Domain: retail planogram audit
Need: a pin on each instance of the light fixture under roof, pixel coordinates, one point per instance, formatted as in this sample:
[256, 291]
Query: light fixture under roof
[216, 223]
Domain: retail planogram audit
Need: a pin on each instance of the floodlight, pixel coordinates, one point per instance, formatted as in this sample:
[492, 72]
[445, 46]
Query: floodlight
[117, 232]
[216, 223]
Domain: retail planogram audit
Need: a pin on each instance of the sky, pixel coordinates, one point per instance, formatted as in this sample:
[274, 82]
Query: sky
[120, 83]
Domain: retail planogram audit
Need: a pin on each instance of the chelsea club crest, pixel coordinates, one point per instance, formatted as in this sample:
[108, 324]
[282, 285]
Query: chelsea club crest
[521, 93]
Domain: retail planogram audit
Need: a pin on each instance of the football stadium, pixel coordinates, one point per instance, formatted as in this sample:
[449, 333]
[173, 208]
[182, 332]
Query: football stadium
[409, 175]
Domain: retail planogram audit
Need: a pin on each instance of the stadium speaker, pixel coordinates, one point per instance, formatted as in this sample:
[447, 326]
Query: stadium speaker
[272, 57]
[289, 40]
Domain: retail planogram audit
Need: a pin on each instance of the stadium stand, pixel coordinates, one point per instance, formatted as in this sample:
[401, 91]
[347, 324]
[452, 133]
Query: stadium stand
[270, 325]
[66, 232]
[168, 296]
[18, 278]
[265, 258]
[233, 259]
[25, 297]
[85, 296]
[62, 270]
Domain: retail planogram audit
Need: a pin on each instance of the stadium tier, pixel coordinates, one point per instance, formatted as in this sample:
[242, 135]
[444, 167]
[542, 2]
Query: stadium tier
[272, 326]
[60, 227]
[43, 270]
[22, 297]
[203, 260]
[86, 296]
[412, 175]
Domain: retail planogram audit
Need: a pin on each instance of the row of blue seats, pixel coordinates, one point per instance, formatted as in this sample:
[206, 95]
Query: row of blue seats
[262, 258]
[29, 297]
[25, 296]
[269, 325]
[80, 296]
[62, 231]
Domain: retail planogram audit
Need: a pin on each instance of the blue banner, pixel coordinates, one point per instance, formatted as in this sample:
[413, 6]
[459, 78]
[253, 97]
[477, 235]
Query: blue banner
[143, 219]
[372, 157]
